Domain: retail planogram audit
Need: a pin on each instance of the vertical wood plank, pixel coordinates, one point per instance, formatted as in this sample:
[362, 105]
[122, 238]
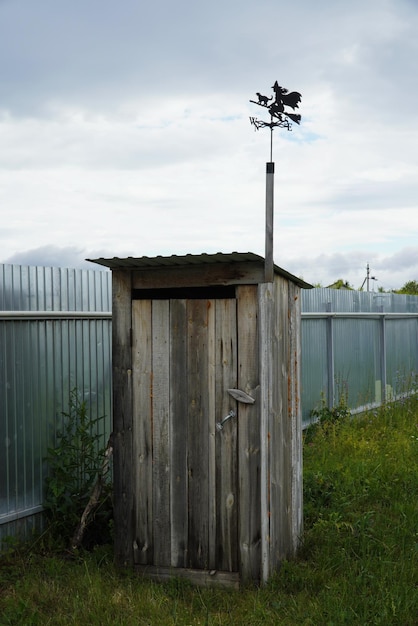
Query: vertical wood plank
[211, 432]
[142, 430]
[296, 415]
[285, 463]
[122, 417]
[266, 313]
[226, 466]
[279, 460]
[178, 432]
[161, 430]
[198, 431]
[249, 435]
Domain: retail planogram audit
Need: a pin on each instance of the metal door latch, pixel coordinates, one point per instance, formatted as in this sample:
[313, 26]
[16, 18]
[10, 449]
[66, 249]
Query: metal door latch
[220, 425]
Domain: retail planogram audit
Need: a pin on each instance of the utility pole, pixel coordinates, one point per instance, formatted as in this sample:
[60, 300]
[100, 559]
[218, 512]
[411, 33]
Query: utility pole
[367, 279]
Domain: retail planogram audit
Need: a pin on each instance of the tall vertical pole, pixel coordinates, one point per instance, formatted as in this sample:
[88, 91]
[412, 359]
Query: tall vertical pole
[279, 117]
[268, 262]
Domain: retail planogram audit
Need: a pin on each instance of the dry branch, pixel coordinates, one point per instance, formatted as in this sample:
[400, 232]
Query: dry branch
[94, 497]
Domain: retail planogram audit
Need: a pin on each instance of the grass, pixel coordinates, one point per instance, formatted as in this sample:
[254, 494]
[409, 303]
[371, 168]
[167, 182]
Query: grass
[358, 563]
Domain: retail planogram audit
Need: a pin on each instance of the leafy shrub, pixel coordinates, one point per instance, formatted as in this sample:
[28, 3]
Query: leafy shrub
[74, 464]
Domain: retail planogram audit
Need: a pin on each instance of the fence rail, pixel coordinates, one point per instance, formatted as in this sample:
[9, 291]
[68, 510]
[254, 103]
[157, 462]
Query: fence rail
[55, 336]
[55, 315]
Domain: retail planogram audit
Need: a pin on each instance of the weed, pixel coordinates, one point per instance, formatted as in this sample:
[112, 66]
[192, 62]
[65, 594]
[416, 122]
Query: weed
[340, 411]
[74, 464]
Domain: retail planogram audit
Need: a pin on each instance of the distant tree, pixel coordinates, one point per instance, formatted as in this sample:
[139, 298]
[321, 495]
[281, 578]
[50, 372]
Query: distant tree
[410, 288]
[341, 284]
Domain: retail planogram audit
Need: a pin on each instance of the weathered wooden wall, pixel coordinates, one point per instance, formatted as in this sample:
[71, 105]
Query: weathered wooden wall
[280, 419]
[280, 423]
[187, 495]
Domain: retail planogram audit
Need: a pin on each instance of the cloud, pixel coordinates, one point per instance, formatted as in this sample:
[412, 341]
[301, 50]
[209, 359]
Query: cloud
[53, 256]
[391, 271]
[125, 129]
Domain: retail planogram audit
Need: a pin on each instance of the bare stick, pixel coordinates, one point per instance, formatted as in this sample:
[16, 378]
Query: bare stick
[94, 497]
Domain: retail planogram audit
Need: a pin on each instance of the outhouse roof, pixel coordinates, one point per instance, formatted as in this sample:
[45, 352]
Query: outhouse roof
[144, 263]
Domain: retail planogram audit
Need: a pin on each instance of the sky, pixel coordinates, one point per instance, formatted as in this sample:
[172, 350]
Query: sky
[124, 131]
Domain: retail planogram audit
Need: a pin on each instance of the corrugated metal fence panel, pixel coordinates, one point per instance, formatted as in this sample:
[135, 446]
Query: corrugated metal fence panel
[367, 358]
[356, 361]
[348, 301]
[41, 362]
[314, 367]
[401, 355]
[26, 288]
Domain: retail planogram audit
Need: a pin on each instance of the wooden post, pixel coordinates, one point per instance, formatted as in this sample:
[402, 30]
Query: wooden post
[122, 416]
[269, 264]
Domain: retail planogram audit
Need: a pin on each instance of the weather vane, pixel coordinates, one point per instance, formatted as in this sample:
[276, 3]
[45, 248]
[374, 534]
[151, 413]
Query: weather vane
[275, 105]
[281, 118]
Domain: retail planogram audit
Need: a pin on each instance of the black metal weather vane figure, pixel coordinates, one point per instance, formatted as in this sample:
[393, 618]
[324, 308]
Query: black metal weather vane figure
[280, 117]
[276, 105]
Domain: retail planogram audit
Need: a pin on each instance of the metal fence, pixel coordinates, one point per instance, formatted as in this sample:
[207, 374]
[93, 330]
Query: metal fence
[363, 345]
[55, 336]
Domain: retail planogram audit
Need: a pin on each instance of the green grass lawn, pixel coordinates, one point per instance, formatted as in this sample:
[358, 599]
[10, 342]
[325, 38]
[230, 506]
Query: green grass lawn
[358, 563]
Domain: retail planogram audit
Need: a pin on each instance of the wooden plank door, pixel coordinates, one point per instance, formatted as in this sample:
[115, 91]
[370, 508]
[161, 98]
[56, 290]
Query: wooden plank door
[185, 469]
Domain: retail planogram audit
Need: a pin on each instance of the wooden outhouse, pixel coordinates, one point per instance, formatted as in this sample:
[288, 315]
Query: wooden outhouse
[207, 416]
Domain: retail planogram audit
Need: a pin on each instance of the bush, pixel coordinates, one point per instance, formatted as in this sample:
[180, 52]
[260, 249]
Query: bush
[74, 465]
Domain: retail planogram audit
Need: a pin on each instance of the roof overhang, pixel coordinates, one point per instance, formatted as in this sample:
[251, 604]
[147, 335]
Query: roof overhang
[145, 263]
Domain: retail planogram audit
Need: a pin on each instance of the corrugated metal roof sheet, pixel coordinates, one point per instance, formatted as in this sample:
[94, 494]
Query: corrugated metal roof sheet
[144, 262]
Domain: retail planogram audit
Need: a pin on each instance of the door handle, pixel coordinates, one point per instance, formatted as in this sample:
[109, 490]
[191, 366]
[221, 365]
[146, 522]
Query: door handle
[220, 425]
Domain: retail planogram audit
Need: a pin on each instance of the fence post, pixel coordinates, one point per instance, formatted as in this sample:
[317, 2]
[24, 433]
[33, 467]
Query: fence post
[383, 372]
[330, 356]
